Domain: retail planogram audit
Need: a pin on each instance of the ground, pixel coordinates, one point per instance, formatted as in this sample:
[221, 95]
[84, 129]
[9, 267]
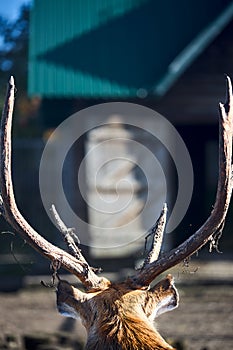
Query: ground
[203, 320]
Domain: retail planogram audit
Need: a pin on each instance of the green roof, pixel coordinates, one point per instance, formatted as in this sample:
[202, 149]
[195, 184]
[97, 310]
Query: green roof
[117, 48]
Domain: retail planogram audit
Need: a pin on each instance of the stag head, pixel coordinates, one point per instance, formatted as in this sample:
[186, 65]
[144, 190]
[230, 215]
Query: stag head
[119, 315]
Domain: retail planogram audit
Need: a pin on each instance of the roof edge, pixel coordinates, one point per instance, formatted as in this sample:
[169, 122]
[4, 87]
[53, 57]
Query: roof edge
[193, 50]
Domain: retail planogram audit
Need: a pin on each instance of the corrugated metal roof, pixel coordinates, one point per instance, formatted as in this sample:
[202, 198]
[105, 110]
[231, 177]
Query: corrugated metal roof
[110, 48]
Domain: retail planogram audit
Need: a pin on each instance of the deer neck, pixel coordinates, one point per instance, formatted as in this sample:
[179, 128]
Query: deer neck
[124, 332]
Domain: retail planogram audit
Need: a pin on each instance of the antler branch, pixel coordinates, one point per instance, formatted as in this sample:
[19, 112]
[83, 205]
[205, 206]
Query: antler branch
[11, 213]
[216, 220]
[157, 232]
[68, 236]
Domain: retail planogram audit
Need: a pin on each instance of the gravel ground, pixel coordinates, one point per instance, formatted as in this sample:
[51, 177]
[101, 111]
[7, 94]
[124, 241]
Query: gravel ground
[204, 319]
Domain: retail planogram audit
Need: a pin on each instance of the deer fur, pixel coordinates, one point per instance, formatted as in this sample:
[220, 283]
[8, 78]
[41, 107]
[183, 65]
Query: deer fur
[118, 317]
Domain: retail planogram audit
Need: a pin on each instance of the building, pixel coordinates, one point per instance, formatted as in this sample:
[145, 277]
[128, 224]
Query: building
[169, 56]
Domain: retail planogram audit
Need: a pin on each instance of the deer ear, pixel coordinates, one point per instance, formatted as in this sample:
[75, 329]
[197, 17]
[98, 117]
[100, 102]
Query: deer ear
[70, 300]
[165, 296]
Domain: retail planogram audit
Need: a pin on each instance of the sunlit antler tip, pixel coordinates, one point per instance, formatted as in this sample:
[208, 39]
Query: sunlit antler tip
[228, 79]
[228, 91]
[11, 80]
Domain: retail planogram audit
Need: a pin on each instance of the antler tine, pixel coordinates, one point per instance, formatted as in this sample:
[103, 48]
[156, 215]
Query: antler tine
[229, 96]
[11, 213]
[71, 239]
[157, 232]
[216, 220]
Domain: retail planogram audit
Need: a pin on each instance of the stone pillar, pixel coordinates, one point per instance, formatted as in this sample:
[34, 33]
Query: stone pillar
[118, 176]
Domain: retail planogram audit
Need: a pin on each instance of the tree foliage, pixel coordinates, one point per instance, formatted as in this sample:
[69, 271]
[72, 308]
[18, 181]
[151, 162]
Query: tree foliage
[14, 61]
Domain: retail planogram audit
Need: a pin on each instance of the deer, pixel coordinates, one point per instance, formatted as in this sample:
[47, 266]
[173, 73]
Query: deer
[119, 315]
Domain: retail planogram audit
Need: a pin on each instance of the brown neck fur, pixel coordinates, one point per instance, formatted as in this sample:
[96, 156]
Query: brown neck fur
[129, 334]
[123, 328]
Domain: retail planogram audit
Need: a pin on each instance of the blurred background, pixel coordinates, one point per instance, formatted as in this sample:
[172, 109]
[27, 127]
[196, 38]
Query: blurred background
[170, 56]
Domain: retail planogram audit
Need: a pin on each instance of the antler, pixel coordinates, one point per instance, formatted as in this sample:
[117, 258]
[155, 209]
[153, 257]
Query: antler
[77, 265]
[215, 223]
[153, 265]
